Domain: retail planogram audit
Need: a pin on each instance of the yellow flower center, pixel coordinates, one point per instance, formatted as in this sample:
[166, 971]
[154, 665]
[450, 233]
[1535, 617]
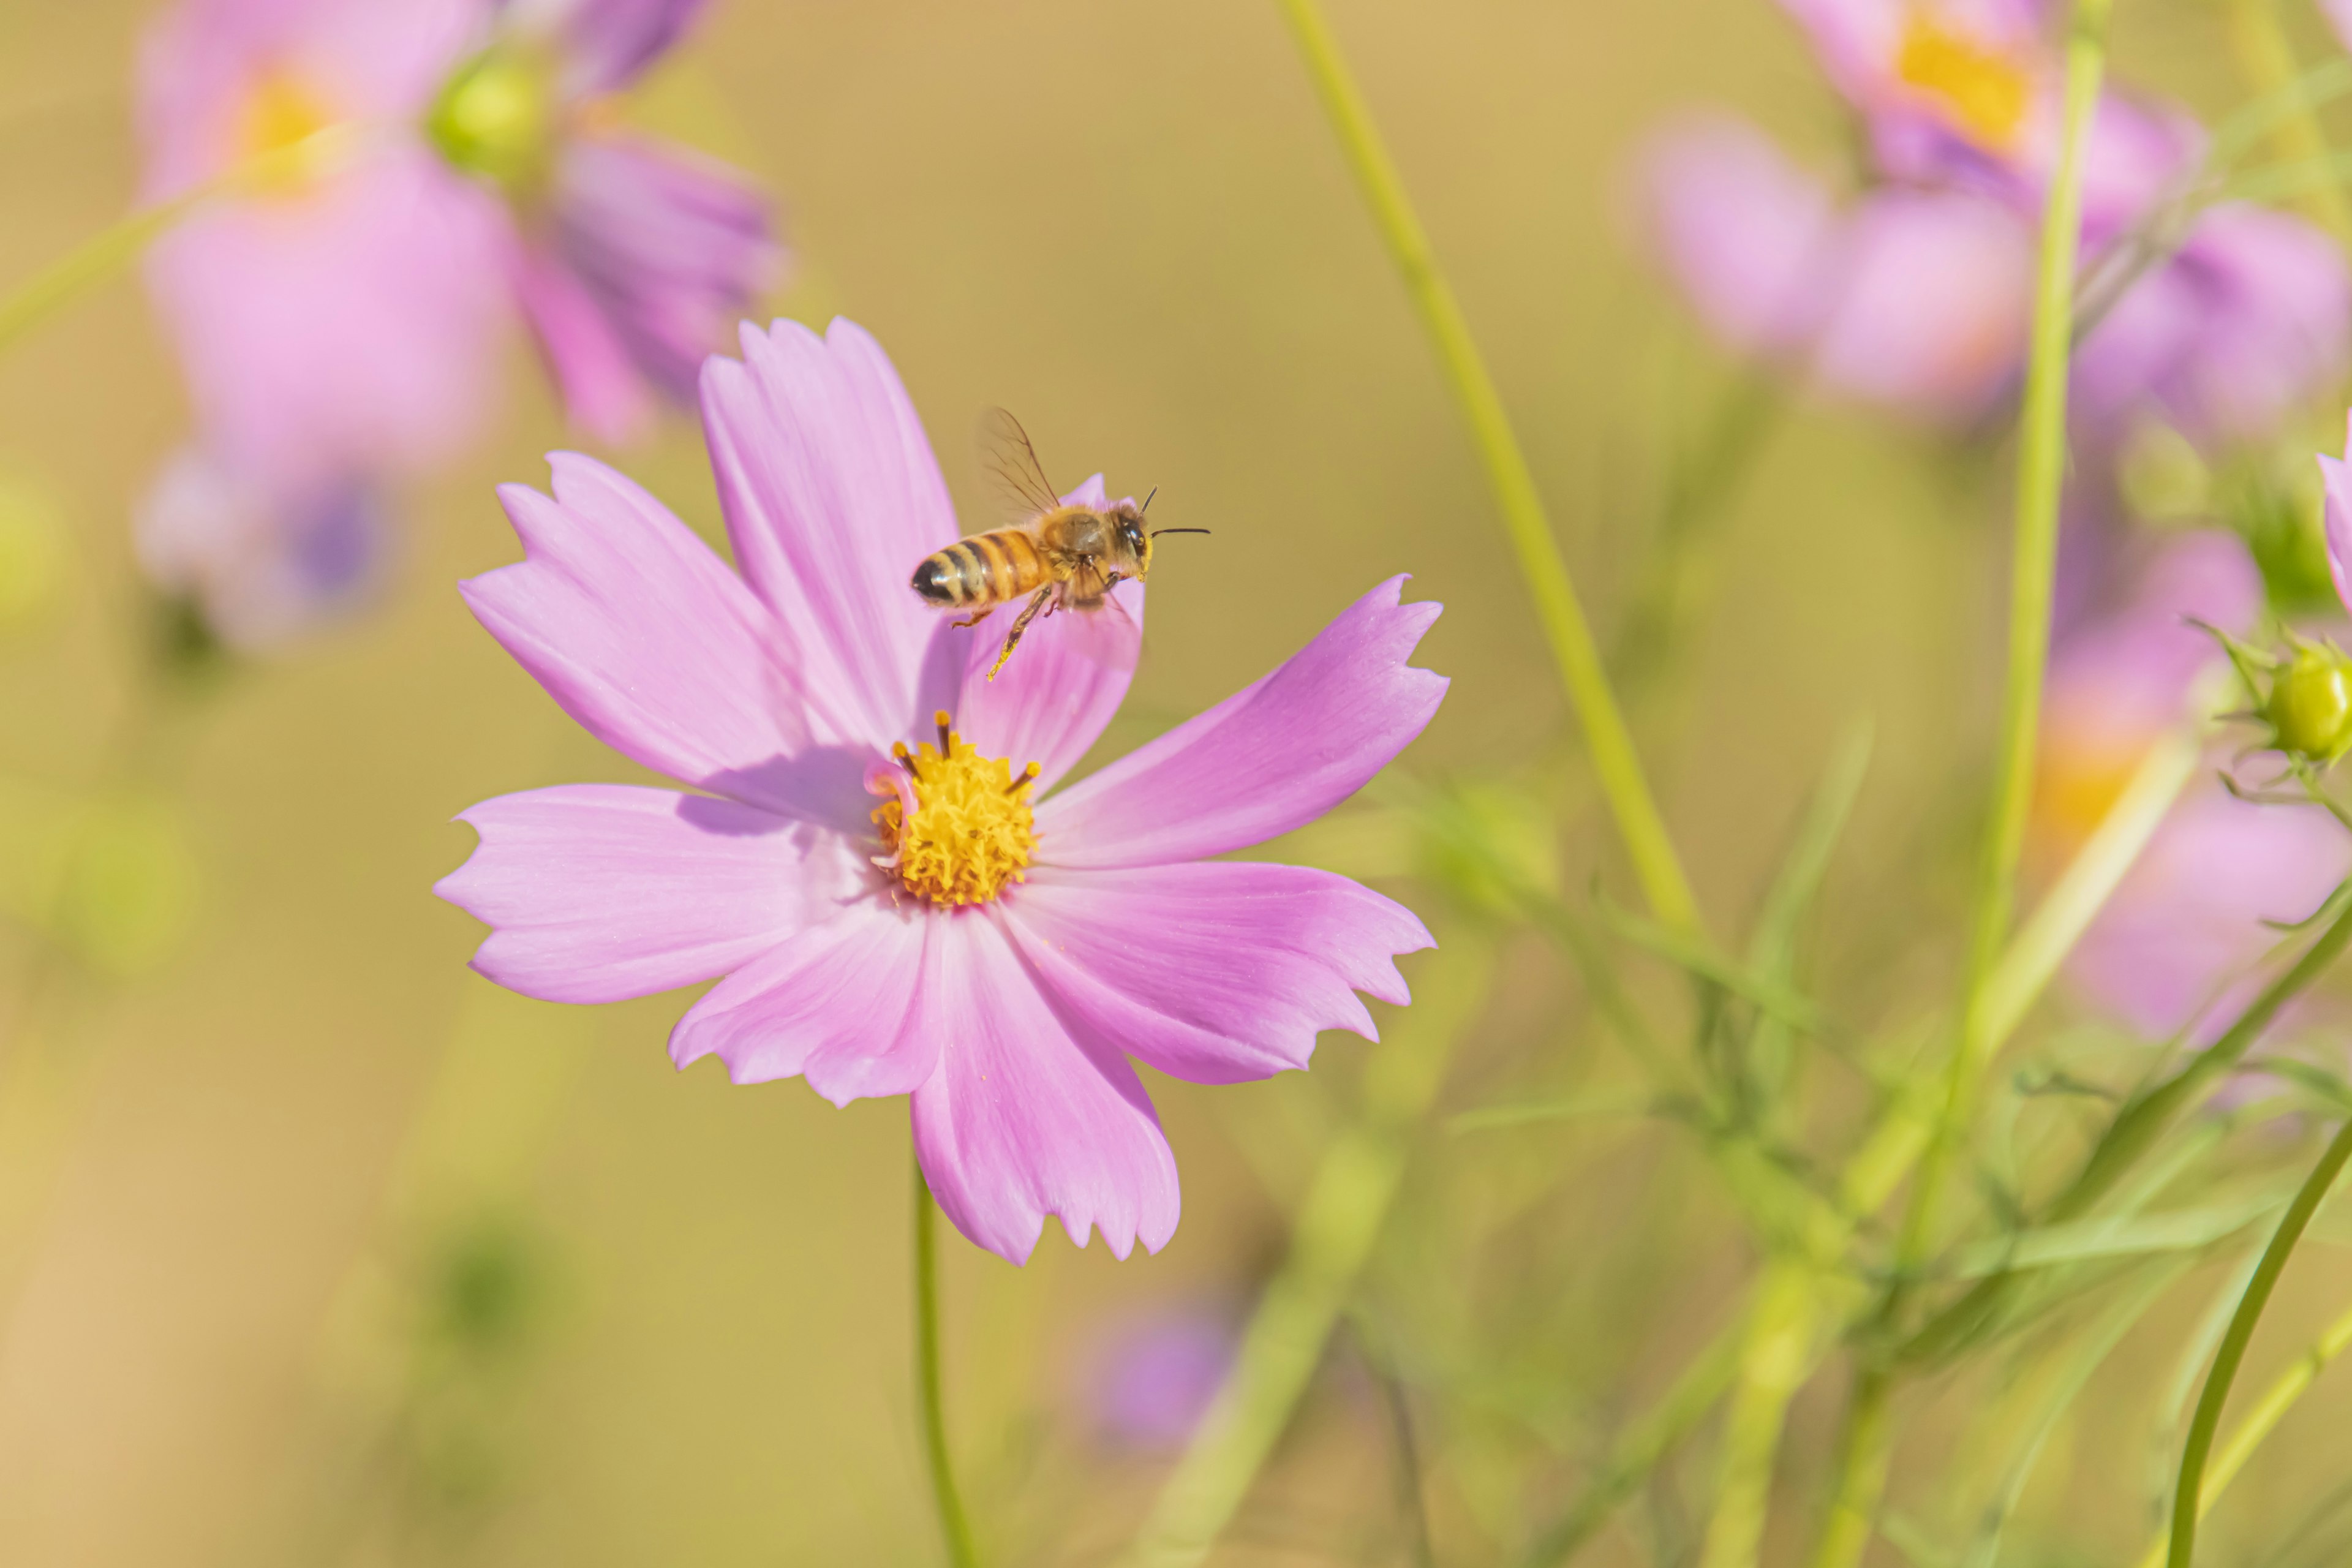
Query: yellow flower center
[280, 112]
[1983, 92]
[970, 831]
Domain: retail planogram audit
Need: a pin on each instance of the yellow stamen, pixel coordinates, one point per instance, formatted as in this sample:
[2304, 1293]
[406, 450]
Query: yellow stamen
[972, 831]
[1984, 92]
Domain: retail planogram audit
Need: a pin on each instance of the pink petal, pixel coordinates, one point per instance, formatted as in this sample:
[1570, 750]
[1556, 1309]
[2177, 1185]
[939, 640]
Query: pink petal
[1021, 1119]
[1051, 700]
[599, 892]
[590, 367]
[656, 647]
[1269, 758]
[836, 1004]
[2335, 478]
[1214, 973]
[669, 248]
[1750, 240]
[1933, 300]
[831, 498]
[355, 323]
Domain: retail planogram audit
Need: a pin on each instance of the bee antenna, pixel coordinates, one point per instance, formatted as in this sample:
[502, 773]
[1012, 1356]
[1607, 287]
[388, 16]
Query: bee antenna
[1147, 499]
[1157, 531]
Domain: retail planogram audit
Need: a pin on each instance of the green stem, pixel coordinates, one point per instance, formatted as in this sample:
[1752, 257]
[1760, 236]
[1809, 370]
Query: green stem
[2041, 477]
[2268, 1412]
[953, 1526]
[1656, 863]
[1776, 1358]
[118, 245]
[2188, 1496]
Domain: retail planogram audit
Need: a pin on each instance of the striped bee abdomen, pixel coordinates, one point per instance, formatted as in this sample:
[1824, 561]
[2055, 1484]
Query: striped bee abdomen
[986, 569]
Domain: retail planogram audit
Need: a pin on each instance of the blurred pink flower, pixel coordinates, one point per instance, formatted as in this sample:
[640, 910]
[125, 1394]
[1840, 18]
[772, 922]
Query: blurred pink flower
[1839, 295]
[261, 565]
[1916, 294]
[350, 317]
[2176, 947]
[1090, 928]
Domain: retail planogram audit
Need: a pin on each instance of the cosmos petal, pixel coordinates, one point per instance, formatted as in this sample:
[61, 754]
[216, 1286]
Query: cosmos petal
[1023, 1118]
[1271, 757]
[832, 498]
[1217, 971]
[645, 637]
[833, 1004]
[600, 892]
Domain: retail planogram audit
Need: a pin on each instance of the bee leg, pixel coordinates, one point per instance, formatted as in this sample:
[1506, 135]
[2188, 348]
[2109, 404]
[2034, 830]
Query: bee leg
[1012, 638]
[976, 620]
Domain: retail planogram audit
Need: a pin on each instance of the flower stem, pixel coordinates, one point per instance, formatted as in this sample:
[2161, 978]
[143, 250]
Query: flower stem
[954, 1527]
[2040, 478]
[2189, 1499]
[119, 244]
[2268, 1412]
[1776, 1358]
[1656, 863]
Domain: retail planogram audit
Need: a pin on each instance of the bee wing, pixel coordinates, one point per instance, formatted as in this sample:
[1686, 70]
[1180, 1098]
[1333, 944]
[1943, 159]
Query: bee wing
[1011, 466]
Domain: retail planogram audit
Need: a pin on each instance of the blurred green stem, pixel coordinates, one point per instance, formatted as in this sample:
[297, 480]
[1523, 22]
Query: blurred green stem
[112, 249]
[1773, 1364]
[2190, 1496]
[2268, 1412]
[1619, 769]
[954, 1527]
[2266, 60]
[1346, 1205]
[2040, 479]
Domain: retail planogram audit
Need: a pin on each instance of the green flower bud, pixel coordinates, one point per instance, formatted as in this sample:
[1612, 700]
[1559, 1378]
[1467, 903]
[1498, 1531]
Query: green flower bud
[497, 119]
[2309, 709]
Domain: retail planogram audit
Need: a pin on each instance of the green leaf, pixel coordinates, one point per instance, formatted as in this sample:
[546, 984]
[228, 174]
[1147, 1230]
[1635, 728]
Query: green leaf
[2110, 1236]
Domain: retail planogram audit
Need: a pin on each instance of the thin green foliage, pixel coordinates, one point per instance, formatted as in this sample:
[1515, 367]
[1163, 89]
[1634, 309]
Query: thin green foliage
[2190, 1495]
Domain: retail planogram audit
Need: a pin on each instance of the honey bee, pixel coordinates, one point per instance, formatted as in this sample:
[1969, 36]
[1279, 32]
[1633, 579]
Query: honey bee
[1063, 556]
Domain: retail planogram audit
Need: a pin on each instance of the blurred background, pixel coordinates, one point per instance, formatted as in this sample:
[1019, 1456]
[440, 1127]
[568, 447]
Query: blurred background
[319, 1248]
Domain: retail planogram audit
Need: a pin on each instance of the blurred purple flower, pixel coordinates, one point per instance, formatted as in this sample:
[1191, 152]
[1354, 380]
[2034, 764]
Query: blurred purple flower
[261, 565]
[2250, 318]
[955, 945]
[2175, 947]
[2336, 512]
[1779, 271]
[350, 317]
[1915, 294]
[1148, 1380]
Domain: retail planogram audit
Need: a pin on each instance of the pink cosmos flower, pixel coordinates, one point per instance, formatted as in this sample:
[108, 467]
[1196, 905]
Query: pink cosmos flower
[2177, 944]
[350, 316]
[996, 956]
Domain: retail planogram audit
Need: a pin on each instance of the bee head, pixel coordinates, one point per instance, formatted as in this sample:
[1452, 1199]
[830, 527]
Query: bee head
[1134, 542]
